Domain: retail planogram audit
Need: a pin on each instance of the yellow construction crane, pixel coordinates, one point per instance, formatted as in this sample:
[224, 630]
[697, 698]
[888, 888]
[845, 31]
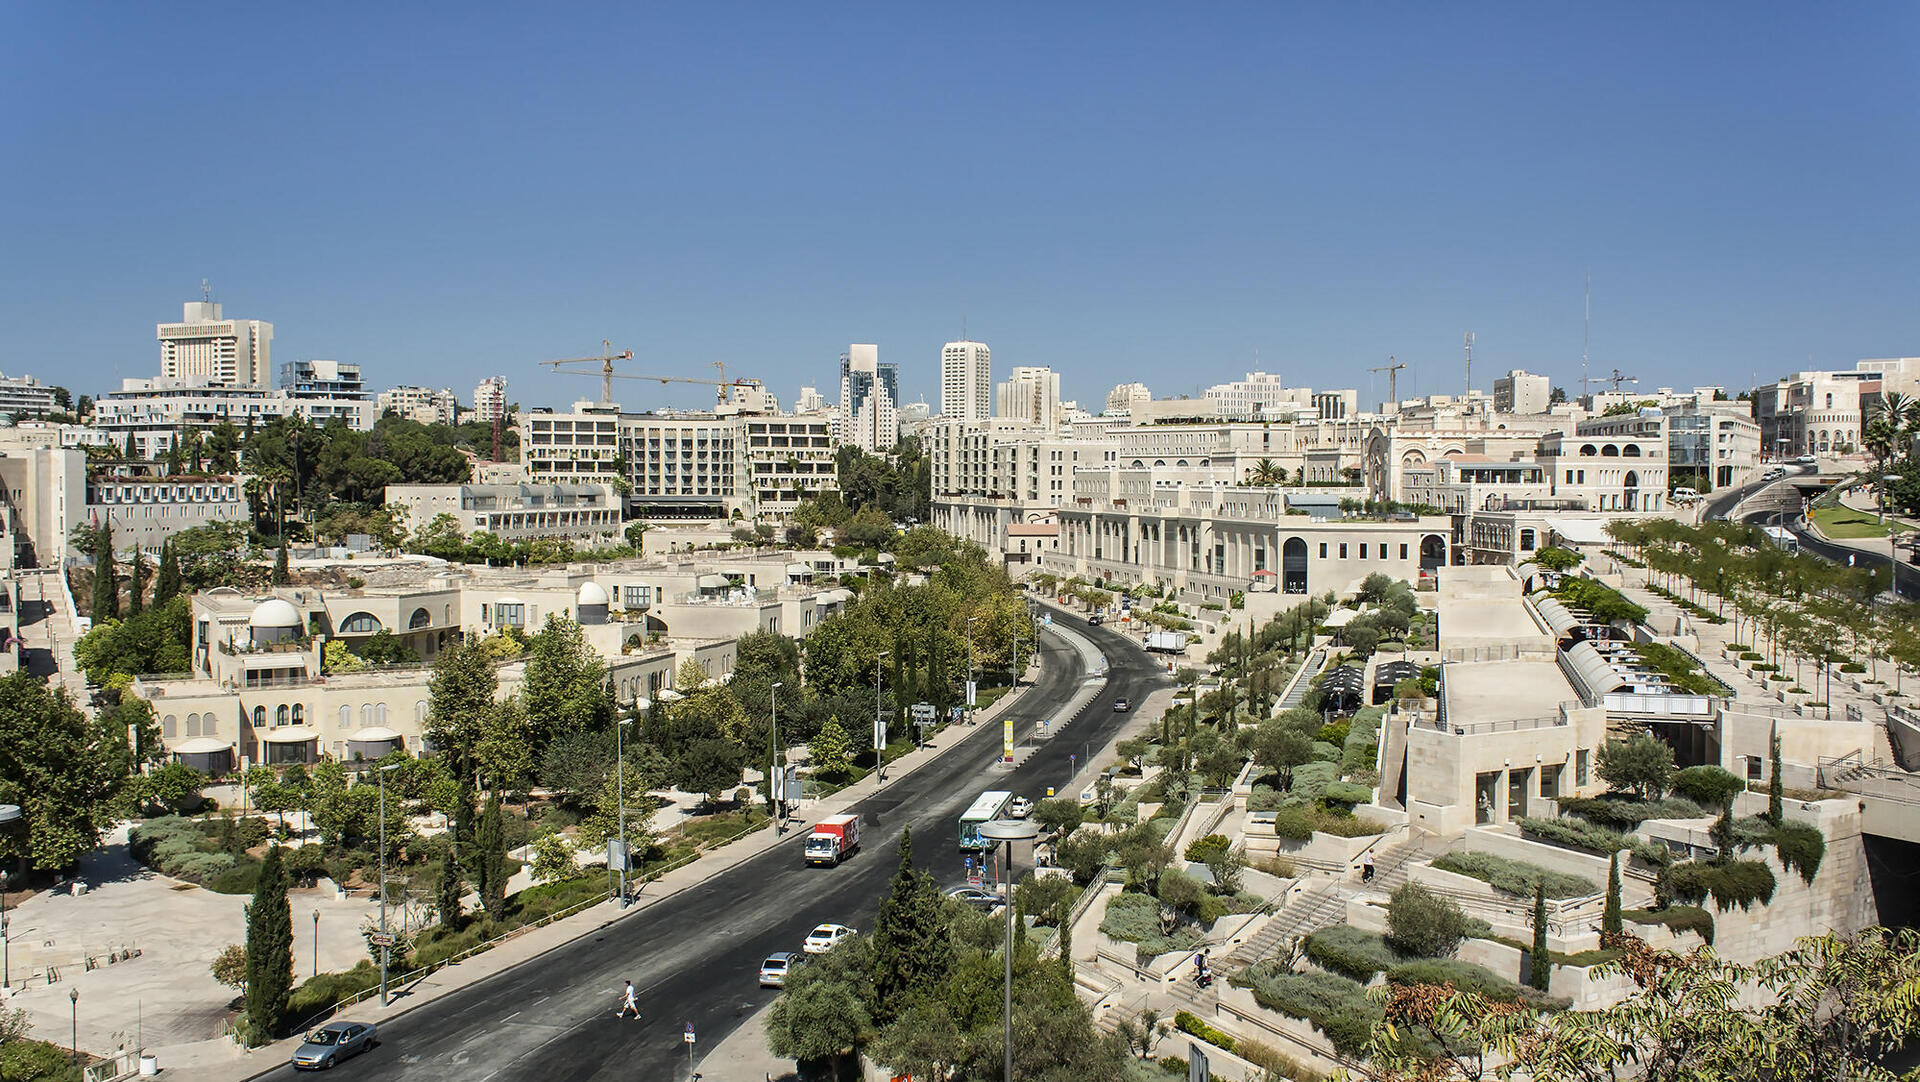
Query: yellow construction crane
[605, 361]
[1393, 381]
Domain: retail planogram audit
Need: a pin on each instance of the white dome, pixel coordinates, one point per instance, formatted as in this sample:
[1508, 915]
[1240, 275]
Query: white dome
[274, 612]
[592, 593]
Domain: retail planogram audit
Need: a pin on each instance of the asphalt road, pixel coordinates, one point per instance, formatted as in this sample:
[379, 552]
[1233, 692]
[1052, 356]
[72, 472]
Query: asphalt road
[696, 955]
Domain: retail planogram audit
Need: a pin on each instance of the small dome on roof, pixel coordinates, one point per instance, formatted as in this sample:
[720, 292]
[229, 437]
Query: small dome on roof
[274, 612]
[592, 593]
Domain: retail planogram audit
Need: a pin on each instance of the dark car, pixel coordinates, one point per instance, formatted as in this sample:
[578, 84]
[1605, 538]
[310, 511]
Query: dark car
[1121, 706]
[984, 900]
[1096, 620]
[333, 1043]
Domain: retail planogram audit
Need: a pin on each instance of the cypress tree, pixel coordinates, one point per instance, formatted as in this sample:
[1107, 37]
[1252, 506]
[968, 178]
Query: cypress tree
[137, 582]
[1064, 919]
[281, 576]
[166, 585]
[106, 590]
[912, 946]
[1776, 785]
[1610, 916]
[1542, 974]
[453, 886]
[269, 950]
[490, 845]
[899, 681]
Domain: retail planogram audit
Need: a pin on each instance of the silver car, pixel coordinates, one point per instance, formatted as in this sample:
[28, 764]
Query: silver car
[778, 966]
[330, 1044]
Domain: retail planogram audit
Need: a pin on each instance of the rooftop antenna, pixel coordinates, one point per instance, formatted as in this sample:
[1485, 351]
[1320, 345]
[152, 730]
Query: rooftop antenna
[1469, 364]
[1586, 332]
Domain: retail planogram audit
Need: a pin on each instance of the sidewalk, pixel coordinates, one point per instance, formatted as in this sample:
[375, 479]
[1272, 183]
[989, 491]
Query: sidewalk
[224, 1061]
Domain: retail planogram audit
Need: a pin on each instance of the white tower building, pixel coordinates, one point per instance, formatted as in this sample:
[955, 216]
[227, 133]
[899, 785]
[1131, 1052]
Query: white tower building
[204, 348]
[966, 381]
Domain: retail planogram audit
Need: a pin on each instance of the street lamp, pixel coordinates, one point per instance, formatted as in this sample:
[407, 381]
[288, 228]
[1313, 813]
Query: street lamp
[1009, 831]
[879, 740]
[316, 942]
[73, 998]
[384, 941]
[620, 799]
[9, 813]
[776, 775]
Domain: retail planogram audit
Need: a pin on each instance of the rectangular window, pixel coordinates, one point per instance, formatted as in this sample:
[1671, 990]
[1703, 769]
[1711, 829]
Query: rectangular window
[1343, 550]
[1363, 553]
[1403, 555]
[1323, 555]
[1580, 767]
[1753, 770]
[509, 615]
[1550, 781]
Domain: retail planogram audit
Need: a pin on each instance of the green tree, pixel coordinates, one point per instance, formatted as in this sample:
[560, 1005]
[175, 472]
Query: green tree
[1642, 765]
[1059, 816]
[564, 689]
[281, 575]
[831, 750]
[553, 859]
[136, 583]
[1541, 971]
[174, 787]
[710, 765]
[1610, 915]
[460, 696]
[106, 588]
[1776, 783]
[1423, 924]
[337, 657]
[490, 860]
[1280, 745]
[229, 967]
[166, 583]
[269, 950]
[64, 772]
[449, 891]
[912, 947]
[822, 1012]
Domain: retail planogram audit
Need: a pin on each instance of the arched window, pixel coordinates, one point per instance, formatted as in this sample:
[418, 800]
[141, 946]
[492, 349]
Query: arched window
[280, 714]
[380, 714]
[193, 724]
[1587, 450]
[346, 717]
[259, 717]
[1631, 450]
[420, 618]
[299, 713]
[420, 712]
[1293, 566]
[166, 726]
[360, 623]
[1609, 451]
[209, 724]
[366, 715]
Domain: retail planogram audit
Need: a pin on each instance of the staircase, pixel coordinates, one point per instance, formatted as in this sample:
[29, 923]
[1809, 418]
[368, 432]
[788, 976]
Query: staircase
[1390, 866]
[1315, 907]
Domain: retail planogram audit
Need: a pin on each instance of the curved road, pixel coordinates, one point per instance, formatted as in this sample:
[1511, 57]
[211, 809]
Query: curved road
[695, 955]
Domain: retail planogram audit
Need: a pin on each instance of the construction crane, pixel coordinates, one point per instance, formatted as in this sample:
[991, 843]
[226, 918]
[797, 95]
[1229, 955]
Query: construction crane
[605, 361]
[719, 385]
[1616, 379]
[1393, 380]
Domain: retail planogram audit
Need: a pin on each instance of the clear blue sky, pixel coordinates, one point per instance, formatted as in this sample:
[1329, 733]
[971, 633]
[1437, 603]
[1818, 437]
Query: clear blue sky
[1155, 192]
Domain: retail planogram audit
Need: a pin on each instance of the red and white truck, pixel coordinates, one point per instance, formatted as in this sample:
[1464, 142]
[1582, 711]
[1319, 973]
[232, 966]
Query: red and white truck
[833, 839]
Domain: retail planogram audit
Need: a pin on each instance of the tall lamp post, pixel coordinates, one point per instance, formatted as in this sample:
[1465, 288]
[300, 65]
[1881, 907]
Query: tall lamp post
[620, 798]
[383, 879]
[9, 814]
[316, 942]
[879, 721]
[73, 999]
[776, 773]
[1008, 831]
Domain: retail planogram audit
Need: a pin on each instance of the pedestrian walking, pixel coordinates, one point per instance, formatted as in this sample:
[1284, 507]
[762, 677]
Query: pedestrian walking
[1366, 869]
[630, 1003]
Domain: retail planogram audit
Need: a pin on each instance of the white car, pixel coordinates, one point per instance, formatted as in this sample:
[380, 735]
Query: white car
[1020, 807]
[826, 937]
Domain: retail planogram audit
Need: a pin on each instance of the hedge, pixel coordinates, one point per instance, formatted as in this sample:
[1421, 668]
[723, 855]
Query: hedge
[1135, 918]
[1335, 1005]
[1514, 876]
[1188, 1022]
[1592, 838]
[1709, 786]
[1680, 918]
[1625, 813]
[1468, 977]
[1300, 822]
[1734, 882]
[1351, 952]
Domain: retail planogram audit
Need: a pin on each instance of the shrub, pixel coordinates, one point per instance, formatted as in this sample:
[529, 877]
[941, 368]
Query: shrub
[1276, 1063]
[1351, 952]
[1188, 1022]
[1299, 822]
[318, 993]
[1749, 655]
[1709, 786]
[1680, 918]
[1801, 848]
[1853, 667]
[1131, 917]
[1730, 883]
[1346, 794]
[1468, 977]
[1336, 1006]
[1625, 813]
[1515, 876]
[1335, 732]
[1423, 924]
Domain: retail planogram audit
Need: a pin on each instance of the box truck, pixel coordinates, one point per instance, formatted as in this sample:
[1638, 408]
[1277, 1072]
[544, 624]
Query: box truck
[833, 839]
[1171, 642]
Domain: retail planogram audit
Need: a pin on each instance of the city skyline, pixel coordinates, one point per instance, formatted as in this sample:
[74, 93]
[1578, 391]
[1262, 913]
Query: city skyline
[1138, 195]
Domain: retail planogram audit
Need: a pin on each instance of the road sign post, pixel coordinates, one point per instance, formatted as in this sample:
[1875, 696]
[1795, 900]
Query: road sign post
[688, 1037]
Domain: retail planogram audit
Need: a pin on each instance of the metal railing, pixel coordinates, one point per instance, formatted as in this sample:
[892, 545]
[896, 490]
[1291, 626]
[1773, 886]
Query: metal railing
[1852, 773]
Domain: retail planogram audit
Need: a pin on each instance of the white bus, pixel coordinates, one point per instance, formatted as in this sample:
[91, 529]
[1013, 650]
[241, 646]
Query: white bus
[1783, 537]
[991, 805]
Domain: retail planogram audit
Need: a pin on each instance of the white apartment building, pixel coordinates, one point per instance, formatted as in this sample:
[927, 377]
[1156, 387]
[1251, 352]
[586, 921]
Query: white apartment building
[24, 396]
[331, 391]
[584, 513]
[422, 404]
[1823, 412]
[46, 489]
[966, 381]
[869, 400]
[1520, 391]
[205, 347]
[145, 416]
[490, 399]
[1031, 394]
[1123, 398]
[810, 401]
[1714, 441]
[1260, 395]
[144, 511]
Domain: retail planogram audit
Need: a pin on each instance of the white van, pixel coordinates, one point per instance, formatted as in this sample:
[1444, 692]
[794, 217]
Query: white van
[1682, 492]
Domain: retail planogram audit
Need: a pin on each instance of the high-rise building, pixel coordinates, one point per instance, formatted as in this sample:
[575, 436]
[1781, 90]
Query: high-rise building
[422, 404]
[869, 397]
[490, 399]
[1123, 398]
[1520, 391]
[1031, 394]
[205, 348]
[24, 396]
[328, 390]
[810, 401]
[966, 381]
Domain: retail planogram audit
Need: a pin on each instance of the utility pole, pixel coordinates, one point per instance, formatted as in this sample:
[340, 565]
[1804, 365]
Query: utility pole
[879, 724]
[384, 941]
[620, 798]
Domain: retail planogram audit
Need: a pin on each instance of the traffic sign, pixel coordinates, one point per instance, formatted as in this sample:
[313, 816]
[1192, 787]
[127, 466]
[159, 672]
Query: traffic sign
[381, 939]
[688, 1036]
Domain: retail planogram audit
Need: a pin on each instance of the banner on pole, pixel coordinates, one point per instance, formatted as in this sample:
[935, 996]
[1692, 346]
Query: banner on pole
[973, 693]
[1006, 737]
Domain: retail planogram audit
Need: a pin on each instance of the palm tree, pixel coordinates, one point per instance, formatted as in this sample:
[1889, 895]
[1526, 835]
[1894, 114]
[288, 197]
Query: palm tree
[1267, 472]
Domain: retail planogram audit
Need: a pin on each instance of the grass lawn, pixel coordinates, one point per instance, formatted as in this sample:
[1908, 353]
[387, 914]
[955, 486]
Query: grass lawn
[1845, 522]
